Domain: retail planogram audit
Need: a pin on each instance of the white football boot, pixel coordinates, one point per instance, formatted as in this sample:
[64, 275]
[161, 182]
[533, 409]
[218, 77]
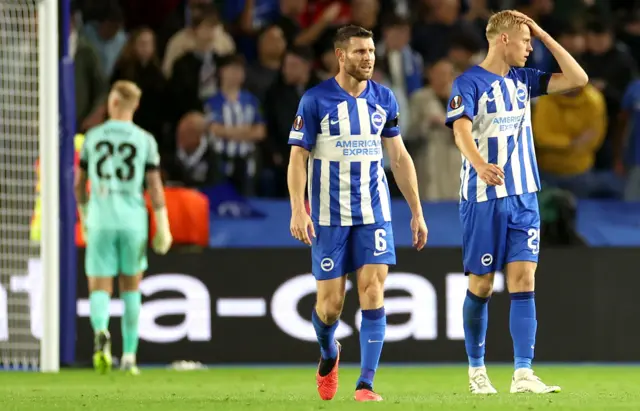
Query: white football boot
[479, 382]
[525, 381]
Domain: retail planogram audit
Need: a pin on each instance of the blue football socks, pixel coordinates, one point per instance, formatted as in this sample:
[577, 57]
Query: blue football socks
[523, 326]
[326, 336]
[475, 314]
[372, 330]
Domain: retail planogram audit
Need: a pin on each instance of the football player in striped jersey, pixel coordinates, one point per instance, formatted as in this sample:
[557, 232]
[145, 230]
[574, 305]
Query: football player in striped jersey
[337, 139]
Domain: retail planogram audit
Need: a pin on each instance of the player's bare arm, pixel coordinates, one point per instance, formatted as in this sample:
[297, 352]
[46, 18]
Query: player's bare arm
[573, 76]
[404, 172]
[80, 187]
[82, 197]
[301, 225]
[491, 174]
[162, 239]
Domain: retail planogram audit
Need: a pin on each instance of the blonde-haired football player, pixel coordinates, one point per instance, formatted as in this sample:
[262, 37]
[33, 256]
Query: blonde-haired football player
[116, 157]
[490, 113]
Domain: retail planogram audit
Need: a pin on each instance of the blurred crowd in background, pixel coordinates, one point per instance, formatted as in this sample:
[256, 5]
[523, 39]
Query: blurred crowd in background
[221, 81]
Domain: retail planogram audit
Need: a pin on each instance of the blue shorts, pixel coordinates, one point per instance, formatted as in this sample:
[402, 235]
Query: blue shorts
[500, 231]
[113, 252]
[337, 251]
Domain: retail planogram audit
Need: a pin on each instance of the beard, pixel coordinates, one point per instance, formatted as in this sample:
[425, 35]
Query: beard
[355, 71]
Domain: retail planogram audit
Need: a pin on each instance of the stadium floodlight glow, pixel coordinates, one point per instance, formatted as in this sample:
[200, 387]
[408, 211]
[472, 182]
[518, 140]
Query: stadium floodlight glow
[29, 126]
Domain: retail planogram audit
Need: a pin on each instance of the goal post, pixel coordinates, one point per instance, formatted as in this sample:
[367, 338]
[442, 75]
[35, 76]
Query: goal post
[49, 142]
[37, 207]
[68, 213]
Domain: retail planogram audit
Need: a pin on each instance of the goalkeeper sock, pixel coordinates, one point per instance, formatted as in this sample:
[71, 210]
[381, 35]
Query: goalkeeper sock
[523, 326]
[475, 314]
[132, 300]
[372, 330]
[99, 310]
[326, 336]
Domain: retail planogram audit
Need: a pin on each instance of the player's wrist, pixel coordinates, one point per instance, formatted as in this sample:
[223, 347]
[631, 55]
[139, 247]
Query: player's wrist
[298, 207]
[82, 211]
[162, 219]
[479, 164]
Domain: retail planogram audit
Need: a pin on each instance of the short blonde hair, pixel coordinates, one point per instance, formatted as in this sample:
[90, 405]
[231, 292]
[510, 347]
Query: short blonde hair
[128, 92]
[503, 21]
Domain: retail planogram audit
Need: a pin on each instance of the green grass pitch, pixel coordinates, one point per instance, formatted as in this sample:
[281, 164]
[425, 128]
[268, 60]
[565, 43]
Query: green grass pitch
[599, 388]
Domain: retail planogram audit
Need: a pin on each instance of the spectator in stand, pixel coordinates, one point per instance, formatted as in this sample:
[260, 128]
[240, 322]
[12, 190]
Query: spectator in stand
[400, 69]
[478, 15]
[569, 129]
[627, 143]
[464, 52]
[236, 123]
[320, 20]
[611, 68]
[402, 8]
[328, 66]
[139, 63]
[572, 38]
[90, 84]
[403, 65]
[437, 159]
[107, 36]
[194, 75]
[184, 40]
[281, 104]
[264, 71]
[439, 22]
[318, 10]
[194, 162]
[630, 34]
[364, 13]
[289, 21]
[247, 18]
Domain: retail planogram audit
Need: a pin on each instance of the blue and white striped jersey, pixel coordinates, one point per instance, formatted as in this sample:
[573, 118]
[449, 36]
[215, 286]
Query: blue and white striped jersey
[243, 112]
[500, 111]
[346, 180]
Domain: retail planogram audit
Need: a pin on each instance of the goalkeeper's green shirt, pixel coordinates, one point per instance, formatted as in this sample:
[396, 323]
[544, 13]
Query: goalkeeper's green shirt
[116, 156]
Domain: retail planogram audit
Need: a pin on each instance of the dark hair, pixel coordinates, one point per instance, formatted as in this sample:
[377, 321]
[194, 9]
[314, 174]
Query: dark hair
[112, 13]
[464, 41]
[208, 15]
[346, 33]
[568, 28]
[232, 60]
[599, 27]
[127, 61]
[305, 53]
[395, 21]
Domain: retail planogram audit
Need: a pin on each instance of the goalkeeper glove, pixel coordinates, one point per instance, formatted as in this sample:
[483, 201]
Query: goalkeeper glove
[162, 239]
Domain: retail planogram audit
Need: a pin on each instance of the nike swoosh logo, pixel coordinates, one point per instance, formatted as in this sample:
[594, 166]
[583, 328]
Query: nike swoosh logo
[481, 344]
[374, 341]
[377, 253]
[333, 122]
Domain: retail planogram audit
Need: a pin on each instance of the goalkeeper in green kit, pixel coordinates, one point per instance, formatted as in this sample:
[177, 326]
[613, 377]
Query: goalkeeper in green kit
[116, 158]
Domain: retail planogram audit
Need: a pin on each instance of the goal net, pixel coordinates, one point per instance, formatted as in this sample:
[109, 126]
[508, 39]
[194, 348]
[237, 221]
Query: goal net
[23, 220]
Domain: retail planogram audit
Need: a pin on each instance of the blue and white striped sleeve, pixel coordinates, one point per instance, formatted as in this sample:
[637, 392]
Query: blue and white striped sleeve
[462, 102]
[304, 130]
